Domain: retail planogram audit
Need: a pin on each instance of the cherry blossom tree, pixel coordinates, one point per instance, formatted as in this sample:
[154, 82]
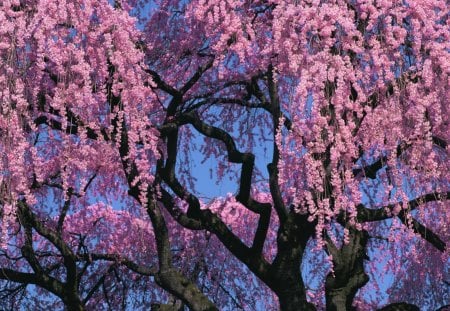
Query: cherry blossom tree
[330, 118]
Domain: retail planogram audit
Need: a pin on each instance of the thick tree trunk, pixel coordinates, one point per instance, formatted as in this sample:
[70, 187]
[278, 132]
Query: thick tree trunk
[341, 299]
[338, 300]
[73, 303]
[294, 300]
[75, 307]
[287, 280]
[290, 289]
[349, 276]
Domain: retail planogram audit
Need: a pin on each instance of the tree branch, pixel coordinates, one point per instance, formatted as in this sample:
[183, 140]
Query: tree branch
[273, 166]
[247, 160]
[368, 214]
[19, 277]
[96, 285]
[209, 220]
[161, 83]
[400, 306]
[72, 129]
[371, 170]
[382, 213]
[424, 232]
[198, 74]
[388, 90]
[142, 270]
[68, 256]
[64, 211]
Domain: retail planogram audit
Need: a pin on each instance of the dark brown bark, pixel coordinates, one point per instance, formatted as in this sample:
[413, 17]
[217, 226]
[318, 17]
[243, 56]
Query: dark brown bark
[349, 276]
[286, 280]
[73, 303]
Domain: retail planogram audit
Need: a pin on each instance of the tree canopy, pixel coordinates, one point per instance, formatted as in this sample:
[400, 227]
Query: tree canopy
[328, 118]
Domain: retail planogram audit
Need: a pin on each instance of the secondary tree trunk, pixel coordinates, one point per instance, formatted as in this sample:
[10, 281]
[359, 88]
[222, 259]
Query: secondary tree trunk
[176, 284]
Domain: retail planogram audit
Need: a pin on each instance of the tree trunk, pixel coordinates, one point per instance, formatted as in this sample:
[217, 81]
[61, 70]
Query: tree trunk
[294, 300]
[287, 280]
[338, 300]
[73, 304]
[341, 299]
[75, 307]
[349, 275]
[289, 287]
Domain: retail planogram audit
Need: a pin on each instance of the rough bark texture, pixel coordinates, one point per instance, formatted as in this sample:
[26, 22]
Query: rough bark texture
[286, 279]
[187, 291]
[349, 276]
